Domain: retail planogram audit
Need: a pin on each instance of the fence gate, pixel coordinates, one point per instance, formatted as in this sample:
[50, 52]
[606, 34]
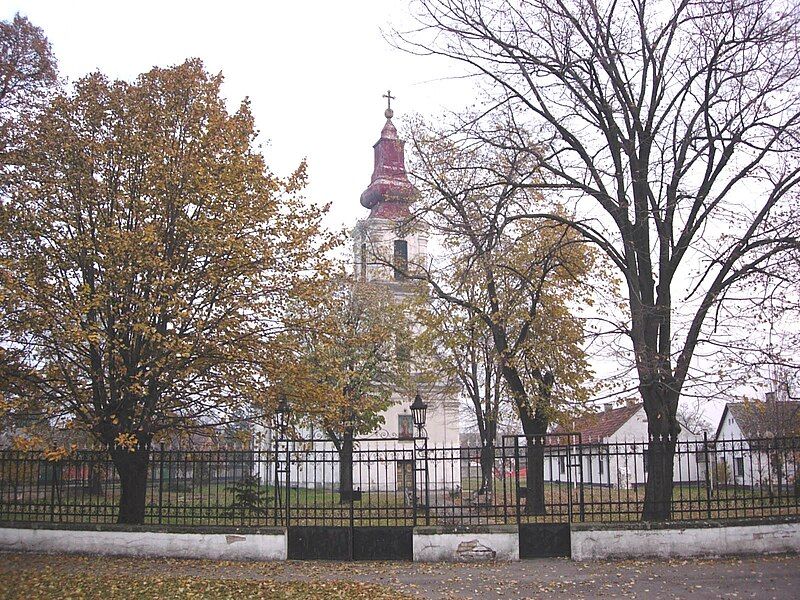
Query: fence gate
[545, 505]
[350, 543]
[369, 517]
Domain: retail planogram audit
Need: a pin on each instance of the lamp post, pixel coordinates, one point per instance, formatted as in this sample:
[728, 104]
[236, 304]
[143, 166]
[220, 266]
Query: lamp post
[281, 417]
[419, 414]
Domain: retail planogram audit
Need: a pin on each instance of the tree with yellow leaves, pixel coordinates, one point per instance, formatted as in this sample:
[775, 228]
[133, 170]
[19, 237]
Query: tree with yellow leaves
[28, 74]
[341, 373]
[518, 283]
[152, 257]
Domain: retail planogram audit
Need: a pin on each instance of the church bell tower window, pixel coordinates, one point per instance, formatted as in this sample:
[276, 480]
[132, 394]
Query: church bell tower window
[400, 259]
[364, 261]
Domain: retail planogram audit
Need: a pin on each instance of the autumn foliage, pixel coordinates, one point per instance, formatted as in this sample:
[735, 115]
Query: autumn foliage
[152, 255]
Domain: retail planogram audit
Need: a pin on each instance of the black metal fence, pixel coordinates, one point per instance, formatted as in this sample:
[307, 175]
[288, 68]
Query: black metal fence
[409, 482]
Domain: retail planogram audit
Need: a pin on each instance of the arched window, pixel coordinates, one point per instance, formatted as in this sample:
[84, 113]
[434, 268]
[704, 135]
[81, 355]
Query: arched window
[400, 259]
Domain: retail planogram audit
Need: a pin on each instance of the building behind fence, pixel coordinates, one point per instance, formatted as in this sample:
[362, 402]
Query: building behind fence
[406, 483]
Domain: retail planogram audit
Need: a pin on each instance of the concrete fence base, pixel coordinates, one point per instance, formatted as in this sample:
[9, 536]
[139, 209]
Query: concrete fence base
[263, 545]
[588, 541]
[676, 540]
[466, 544]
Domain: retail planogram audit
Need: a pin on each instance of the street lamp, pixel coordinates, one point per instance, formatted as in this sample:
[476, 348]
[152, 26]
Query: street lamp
[419, 411]
[281, 417]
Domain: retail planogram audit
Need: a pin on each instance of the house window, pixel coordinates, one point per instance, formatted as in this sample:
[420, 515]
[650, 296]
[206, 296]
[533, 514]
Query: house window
[405, 427]
[364, 261]
[562, 465]
[600, 464]
[644, 458]
[738, 466]
[400, 259]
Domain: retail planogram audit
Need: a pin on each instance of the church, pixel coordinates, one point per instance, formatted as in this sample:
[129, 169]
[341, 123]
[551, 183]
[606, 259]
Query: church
[388, 243]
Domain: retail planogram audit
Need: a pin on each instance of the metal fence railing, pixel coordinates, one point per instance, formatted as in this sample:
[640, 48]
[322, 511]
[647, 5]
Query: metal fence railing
[409, 482]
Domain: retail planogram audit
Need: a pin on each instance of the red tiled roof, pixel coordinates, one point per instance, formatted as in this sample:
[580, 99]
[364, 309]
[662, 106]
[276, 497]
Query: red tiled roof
[599, 426]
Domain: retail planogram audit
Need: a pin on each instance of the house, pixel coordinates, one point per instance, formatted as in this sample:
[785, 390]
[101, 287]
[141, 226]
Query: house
[611, 450]
[756, 443]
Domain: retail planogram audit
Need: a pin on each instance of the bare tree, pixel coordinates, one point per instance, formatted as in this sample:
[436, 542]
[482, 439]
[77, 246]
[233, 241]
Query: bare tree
[516, 278]
[465, 353]
[673, 126]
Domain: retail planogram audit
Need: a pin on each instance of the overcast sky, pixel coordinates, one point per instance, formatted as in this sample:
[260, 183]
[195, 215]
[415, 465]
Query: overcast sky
[315, 71]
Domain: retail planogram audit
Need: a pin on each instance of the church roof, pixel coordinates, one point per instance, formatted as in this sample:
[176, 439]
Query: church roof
[389, 193]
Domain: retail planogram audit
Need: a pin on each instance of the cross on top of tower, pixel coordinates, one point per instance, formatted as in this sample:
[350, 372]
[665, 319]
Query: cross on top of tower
[389, 112]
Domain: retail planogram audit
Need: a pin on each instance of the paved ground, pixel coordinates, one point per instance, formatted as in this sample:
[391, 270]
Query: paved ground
[757, 577]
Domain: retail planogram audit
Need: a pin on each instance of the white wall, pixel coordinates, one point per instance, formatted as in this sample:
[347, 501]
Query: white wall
[601, 544]
[377, 466]
[379, 236]
[217, 546]
[433, 544]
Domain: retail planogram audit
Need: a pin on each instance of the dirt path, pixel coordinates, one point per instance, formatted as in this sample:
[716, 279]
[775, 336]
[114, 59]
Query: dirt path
[755, 577]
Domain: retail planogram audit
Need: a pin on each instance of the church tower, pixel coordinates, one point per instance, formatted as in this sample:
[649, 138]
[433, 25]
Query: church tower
[387, 244]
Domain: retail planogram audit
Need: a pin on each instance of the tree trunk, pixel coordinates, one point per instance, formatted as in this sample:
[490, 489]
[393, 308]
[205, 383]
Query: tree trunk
[487, 468]
[534, 479]
[661, 405]
[346, 469]
[94, 485]
[658, 490]
[132, 470]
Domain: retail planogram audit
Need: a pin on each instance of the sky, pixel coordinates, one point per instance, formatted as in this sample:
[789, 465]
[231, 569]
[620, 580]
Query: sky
[314, 70]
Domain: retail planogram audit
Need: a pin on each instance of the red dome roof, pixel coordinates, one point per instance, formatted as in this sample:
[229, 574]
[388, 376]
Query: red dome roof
[390, 192]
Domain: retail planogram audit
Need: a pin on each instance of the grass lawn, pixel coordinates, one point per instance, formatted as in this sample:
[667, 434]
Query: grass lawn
[210, 505]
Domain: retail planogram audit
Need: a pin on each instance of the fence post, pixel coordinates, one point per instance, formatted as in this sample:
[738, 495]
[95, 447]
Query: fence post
[504, 476]
[414, 483]
[581, 498]
[277, 487]
[52, 472]
[516, 479]
[427, 486]
[288, 480]
[569, 481]
[708, 475]
[160, 481]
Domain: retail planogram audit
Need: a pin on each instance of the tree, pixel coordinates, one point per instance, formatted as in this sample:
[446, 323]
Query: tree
[153, 256]
[465, 353]
[673, 127]
[27, 73]
[27, 70]
[518, 279]
[342, 371]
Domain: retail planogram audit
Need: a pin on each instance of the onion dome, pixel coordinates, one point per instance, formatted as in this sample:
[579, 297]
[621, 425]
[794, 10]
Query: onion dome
[390, 193]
